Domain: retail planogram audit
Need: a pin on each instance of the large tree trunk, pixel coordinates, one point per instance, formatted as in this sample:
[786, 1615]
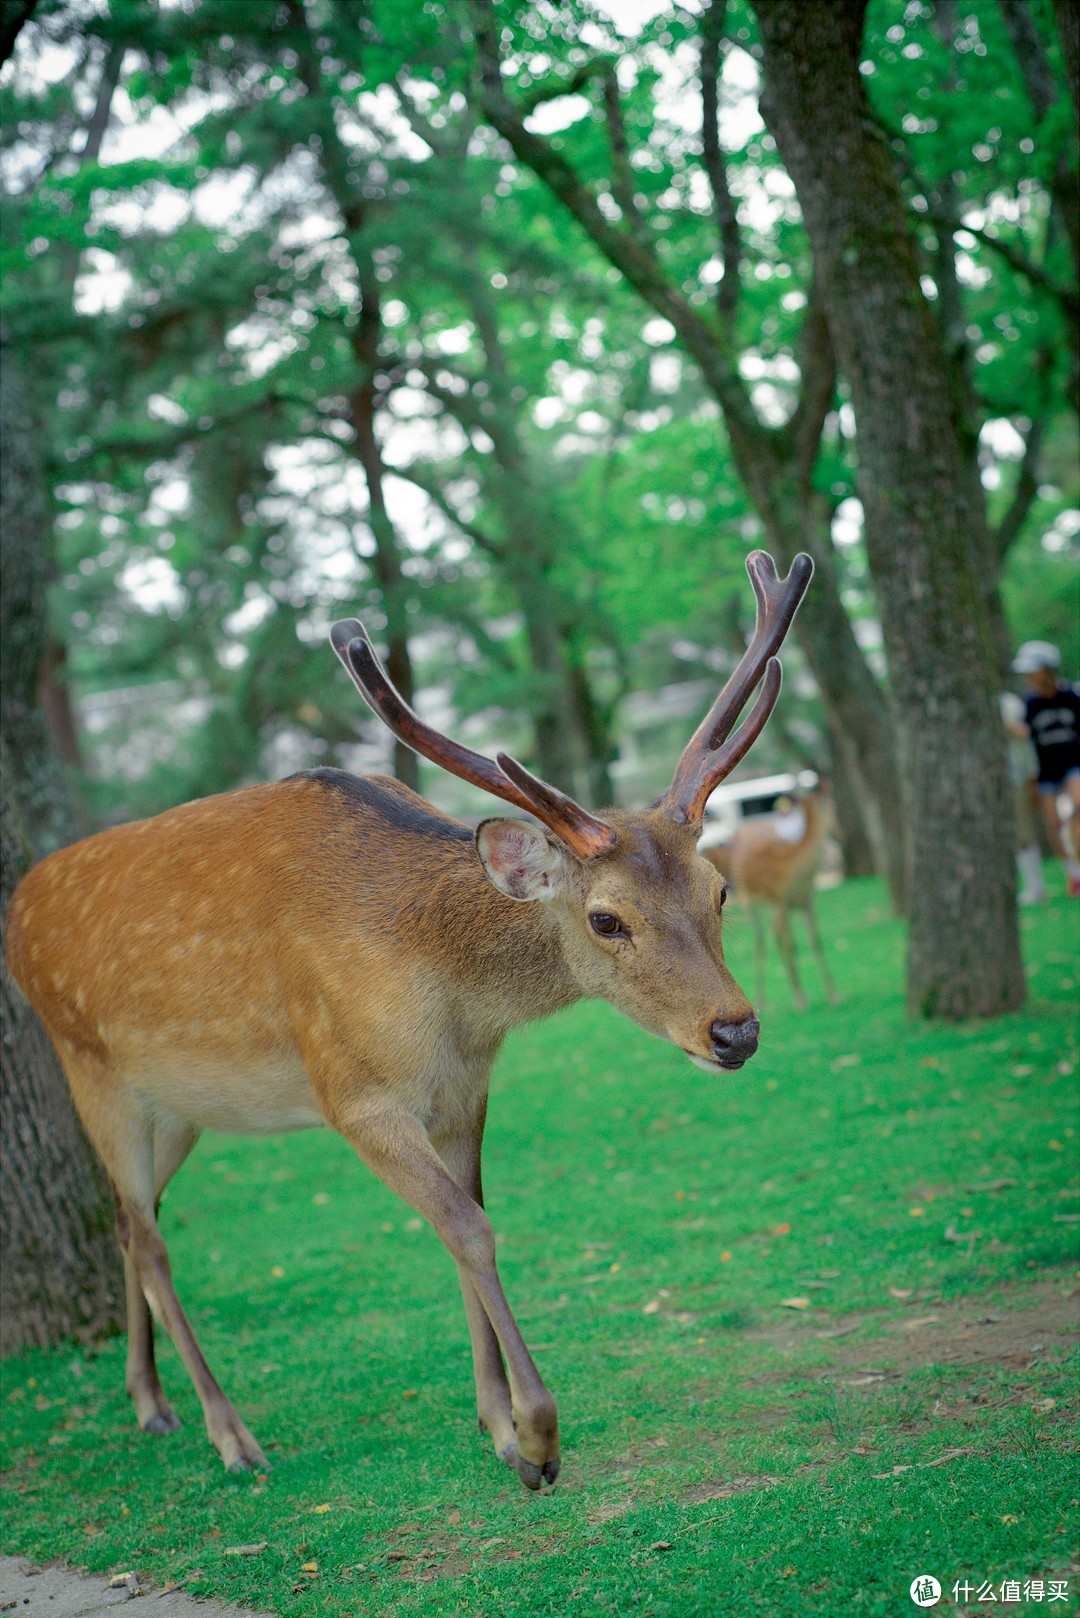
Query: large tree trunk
[850, 798]
[925, 530]
[60, 1269]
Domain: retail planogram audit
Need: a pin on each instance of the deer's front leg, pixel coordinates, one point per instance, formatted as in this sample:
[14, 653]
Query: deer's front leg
[460, 1151]
[393, 1143]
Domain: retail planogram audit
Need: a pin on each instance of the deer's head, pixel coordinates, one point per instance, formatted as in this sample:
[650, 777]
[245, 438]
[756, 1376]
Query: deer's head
[637, 908]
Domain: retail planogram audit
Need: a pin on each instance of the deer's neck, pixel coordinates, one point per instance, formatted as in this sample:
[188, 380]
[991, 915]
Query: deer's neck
[418, 888]
[503, 959]
[813, 828]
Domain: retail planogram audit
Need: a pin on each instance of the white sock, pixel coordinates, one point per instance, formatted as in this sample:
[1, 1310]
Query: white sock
[1029, 862]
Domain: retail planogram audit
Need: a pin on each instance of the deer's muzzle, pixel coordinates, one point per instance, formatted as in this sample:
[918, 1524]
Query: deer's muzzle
[734, 1043]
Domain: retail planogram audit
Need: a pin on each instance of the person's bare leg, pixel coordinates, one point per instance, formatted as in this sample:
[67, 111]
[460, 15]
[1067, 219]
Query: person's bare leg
[1052, 822]
[1070, 833]
[1062, 834]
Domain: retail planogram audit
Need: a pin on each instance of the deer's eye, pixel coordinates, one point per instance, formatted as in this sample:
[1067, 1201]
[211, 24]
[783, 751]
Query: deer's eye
[604, 923]
[723, 896]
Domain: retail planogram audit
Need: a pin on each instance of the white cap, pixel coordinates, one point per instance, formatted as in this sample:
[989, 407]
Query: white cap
[1035, 655]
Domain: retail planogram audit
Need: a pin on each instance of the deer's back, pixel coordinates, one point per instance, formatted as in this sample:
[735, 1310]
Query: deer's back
[210, 934]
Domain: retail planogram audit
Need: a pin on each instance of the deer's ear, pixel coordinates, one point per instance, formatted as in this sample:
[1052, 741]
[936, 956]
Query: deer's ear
[521, 860]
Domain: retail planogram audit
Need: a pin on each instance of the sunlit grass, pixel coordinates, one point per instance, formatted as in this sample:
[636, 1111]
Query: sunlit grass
[717, 1278]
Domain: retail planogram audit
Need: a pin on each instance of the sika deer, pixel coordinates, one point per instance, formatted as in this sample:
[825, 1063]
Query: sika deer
[770, 869]
[333, 950]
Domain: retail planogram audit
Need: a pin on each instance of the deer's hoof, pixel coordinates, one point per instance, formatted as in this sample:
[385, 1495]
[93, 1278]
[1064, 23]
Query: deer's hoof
[255, 1462]
[238, 1449]
[535, 1477]
[166, 1421]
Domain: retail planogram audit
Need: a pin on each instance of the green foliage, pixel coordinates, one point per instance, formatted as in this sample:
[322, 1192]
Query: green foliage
[722, 1451]
[190, 295]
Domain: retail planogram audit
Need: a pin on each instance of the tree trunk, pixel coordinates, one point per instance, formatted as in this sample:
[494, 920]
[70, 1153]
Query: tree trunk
[925, 533]
[594, 722]
[13, 13]
[386, 563]
[560, 753]
[59, 1262]
[850, 797]
[1068, 21]
[60, 1272]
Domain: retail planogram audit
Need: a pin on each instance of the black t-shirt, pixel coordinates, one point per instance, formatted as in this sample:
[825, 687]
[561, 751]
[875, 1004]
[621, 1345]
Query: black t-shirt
[1055, 730]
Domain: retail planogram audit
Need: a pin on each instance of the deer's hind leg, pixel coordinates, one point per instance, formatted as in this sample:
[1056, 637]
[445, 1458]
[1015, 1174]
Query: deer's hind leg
[173, 1139]
[122, 1129]
[819, 955]
[782, 930]
[759, 953]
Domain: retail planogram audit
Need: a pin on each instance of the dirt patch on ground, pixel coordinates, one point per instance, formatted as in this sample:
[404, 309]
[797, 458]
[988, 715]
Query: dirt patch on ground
[724, 1488]
[1021, 1325]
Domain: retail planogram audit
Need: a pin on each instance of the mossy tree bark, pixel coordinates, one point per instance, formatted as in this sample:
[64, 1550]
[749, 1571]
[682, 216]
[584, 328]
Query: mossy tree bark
[60, 1269]
[925, 523]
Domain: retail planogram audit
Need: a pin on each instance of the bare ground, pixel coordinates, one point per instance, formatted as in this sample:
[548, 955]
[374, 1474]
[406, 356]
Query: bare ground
[1022, 1324]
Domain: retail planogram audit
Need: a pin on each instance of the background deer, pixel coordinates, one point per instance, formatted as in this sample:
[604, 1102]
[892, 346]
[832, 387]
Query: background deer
[332, 950]
[773, 864]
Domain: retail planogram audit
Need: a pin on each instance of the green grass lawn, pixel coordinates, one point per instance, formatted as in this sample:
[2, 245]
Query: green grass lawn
[808, 1327]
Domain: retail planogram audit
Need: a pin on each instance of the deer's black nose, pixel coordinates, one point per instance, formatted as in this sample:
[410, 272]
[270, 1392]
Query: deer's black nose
[734, 1043]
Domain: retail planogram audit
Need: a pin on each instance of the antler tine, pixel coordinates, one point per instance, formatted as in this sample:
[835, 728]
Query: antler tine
[582, 833]
[724, 760]
[705, 761]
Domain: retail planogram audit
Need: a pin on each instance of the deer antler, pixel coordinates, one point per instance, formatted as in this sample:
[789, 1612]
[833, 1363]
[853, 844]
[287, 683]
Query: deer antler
[583, 834]
[706, 761]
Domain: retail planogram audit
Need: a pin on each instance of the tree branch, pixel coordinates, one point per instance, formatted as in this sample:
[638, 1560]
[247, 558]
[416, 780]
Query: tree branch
[483, 541]
[712, 33]
[622, 177]
[1068, 21]
[99, 118]
[1042, 88]
[552, 89]
[706, 342]
[1067, 297]
[1027, 487]
[817, 366]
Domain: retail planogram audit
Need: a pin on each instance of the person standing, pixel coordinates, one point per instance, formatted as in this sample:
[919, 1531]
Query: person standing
[1052, 720]
[1023, 775]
